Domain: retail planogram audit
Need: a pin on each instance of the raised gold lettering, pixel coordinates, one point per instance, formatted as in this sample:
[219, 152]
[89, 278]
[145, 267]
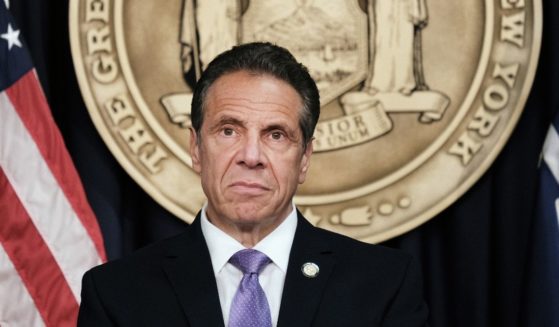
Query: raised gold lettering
[136, 136]
[151, 159]
[342, 140]
[507, 74]
[104, 69]
[359, 123]
[97, 10]
[512, 28]
[483, 122]
[496, 97]
[119, 109]
[512, 4]
[99, 40]
[465, 148]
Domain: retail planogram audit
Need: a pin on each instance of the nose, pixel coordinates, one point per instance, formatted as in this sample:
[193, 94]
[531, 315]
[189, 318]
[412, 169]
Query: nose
[251, 155]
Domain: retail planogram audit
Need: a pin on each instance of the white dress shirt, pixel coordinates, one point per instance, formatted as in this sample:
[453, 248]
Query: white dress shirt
[276, 245]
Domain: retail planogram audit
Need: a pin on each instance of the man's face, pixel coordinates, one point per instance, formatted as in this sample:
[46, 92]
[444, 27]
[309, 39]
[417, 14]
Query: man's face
[250, 156]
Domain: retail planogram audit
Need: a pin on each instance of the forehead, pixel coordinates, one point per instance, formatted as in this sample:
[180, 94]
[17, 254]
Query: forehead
[255, 93]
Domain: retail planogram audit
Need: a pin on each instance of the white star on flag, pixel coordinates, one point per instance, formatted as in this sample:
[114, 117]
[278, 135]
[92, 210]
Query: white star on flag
[12, 37]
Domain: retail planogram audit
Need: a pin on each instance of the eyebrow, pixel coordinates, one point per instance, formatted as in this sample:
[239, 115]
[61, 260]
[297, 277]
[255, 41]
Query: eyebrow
[230, 120]
[277, 126]
[227, 120]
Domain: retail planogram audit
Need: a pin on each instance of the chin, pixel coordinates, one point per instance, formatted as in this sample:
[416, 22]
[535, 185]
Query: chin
[248, 215]
[251, 213]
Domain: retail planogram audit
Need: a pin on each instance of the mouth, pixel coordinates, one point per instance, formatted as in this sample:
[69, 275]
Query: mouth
[249, 188]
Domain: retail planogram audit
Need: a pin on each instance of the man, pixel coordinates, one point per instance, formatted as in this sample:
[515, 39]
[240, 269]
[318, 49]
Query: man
[253, 115]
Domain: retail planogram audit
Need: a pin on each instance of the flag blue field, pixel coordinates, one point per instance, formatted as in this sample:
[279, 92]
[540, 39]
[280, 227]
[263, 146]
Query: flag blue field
[541, 298]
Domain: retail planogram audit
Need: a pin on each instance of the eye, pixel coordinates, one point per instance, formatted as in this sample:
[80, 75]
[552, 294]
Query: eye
[228, 131]
[277, 135]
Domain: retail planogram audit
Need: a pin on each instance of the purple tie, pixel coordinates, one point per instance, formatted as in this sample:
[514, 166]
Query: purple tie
[250, 306]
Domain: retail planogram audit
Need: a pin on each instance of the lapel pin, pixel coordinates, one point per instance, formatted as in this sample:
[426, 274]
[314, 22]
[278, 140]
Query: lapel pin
[310, 269]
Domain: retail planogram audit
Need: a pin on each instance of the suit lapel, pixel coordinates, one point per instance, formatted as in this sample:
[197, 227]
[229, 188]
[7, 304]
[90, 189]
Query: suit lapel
[301, 295]
[190, 272]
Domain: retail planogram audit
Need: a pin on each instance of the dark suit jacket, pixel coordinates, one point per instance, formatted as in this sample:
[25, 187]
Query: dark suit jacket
[172, 283]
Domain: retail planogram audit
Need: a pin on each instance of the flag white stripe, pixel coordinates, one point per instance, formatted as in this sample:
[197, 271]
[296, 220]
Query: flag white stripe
[20, 309]
[40, 194]
[551, 152]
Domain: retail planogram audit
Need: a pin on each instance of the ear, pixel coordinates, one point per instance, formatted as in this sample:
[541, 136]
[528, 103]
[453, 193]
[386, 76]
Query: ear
[305, 162]
[195, 151]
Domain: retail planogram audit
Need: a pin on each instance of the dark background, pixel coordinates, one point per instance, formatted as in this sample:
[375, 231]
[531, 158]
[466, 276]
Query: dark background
[482, 259]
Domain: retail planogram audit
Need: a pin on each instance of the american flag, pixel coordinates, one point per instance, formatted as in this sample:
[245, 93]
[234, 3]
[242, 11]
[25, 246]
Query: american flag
[49, 235]
[549, 178]
[541, 296]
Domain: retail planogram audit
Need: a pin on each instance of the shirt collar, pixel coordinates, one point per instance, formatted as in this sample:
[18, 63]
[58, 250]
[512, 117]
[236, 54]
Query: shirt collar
[276, 245]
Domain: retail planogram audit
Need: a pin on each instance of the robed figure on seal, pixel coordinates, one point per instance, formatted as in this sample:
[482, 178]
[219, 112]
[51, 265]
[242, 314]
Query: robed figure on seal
[208, 28]
[394, 44]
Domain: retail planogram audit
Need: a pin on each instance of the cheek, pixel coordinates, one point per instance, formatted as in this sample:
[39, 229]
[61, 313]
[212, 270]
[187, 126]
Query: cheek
[217, 166]
[287, 173]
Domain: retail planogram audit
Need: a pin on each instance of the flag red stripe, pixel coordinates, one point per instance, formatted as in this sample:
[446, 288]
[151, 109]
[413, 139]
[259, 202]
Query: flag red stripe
[33, 261]
[30, 104]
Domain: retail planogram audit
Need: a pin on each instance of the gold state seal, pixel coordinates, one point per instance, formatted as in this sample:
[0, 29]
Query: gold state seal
[418, 96]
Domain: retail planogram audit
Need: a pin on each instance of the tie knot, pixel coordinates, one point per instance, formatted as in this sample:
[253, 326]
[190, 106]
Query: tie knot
[249, 261]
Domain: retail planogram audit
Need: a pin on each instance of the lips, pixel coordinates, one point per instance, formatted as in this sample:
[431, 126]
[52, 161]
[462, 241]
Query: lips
[249, 188]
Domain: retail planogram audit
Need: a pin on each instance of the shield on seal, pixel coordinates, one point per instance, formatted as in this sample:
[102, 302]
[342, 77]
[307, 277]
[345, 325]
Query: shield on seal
[329, 37]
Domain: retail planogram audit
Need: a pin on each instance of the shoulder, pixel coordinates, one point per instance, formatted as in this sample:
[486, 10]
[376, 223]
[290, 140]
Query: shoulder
[352, 256]
[133, 288]
[132, 282]
[348, 251]
[142, 260]
[382, 282]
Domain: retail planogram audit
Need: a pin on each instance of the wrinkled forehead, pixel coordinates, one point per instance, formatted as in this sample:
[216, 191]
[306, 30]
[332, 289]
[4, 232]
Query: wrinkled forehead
[255, 89]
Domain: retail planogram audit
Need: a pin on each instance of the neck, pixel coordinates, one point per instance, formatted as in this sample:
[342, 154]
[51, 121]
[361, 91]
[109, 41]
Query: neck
[249, 237]
[246, 233]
